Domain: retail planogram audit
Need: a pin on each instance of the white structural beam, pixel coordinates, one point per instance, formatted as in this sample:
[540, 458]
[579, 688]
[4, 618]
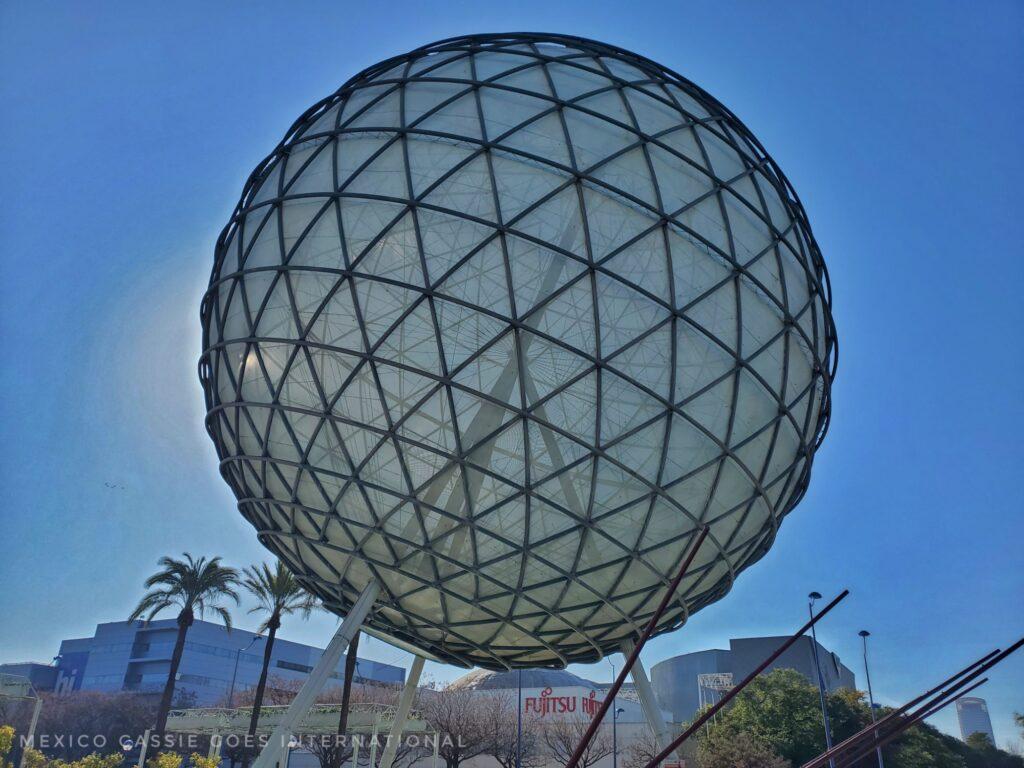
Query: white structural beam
[144, 749]
[402, 714]
[648, 701]
[32, 729]
[321, 673]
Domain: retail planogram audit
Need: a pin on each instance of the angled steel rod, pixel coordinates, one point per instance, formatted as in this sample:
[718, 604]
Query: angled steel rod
[696, 724]
[849, 743]
[909, 721]
[945, 696]
[609, 697]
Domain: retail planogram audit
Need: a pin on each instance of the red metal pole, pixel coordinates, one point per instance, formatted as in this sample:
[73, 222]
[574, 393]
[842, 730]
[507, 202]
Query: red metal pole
[824, 757]
[746, 681]
[909, 722]
[648, 630]
[946, 696]
[964, 676]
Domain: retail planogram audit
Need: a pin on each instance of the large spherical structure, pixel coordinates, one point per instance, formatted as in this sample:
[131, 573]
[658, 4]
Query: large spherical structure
[500, 324]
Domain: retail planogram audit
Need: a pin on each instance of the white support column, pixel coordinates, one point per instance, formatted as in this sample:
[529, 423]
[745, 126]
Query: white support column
[648, 701]
[402, 713]
[144, 749]
[214, 746]
[373, 745]
[31, 740]
[321, 673]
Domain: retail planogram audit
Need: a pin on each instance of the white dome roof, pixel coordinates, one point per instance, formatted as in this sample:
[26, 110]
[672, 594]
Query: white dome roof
[487, 680]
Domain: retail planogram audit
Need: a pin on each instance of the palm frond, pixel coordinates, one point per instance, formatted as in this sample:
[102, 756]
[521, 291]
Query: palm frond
[192, 583]
[277, 591]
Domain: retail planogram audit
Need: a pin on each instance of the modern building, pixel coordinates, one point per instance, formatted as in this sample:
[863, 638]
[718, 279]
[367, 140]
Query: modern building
[552, 695]
[42, 676]
[136, 656]
[681, 689]
[972, 714]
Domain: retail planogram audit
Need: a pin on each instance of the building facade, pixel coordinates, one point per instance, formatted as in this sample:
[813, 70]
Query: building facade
[136, 656]
[972, 714]
[677, 681]
[551, 695]
[43, 677]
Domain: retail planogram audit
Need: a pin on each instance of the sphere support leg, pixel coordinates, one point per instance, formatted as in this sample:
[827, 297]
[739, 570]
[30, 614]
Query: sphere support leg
[648, 701]
[297, 710]
[402, 714]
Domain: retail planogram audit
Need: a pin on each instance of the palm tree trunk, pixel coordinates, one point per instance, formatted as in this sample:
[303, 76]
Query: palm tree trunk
[346, 695]
[185, 619]
[272, 624]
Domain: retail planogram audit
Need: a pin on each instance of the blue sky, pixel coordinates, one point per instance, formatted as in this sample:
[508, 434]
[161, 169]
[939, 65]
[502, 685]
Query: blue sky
[129, 130]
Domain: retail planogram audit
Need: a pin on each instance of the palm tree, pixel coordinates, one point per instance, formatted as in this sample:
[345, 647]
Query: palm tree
[192, 585]
[279, 594]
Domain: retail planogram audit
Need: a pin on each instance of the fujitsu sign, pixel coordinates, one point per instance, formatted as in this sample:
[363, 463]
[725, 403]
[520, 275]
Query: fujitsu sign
[547, 704]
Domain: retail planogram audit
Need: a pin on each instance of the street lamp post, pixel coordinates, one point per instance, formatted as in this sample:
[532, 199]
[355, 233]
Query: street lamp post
[615, 721]
[615, 740]
[234, 675]
[864, 634]
[519, 723]
[821, 680]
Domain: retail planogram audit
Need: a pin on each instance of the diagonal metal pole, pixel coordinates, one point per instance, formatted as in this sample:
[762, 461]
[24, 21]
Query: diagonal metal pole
[954, 683]
[884, 722]
[947, 696]
[907, 723]
[612, 692]
[696, 724]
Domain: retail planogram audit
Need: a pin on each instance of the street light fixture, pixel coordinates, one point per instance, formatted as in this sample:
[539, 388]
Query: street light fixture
[615, 740]
[821, 680]
[864, 635]
[234, 675]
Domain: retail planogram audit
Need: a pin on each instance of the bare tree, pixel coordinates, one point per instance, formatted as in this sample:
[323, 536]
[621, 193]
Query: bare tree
[563, 736]
[504, 743]
[642, 749]
[462, 724]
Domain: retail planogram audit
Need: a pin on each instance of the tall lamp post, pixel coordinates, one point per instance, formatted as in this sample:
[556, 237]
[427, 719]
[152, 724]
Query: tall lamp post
[864, 635]
[234, 675]
[519, 723]
[821, 680]
[615, 740]
[615, 720]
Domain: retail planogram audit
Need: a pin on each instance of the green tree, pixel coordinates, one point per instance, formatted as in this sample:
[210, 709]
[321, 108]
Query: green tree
[164, 760]
[780, 710]
[739, 750]
[979, 741]
[922, 746]
[191, 585]
[279, 594]
[6, 742]
[780, 713]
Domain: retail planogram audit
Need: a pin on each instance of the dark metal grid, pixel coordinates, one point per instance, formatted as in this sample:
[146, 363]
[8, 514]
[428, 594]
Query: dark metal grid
[281, 520]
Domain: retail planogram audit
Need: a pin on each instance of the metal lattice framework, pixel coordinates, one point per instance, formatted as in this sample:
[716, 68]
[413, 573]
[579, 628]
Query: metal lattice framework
[499, 324]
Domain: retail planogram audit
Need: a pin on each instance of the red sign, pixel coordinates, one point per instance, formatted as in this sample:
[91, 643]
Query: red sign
[546, 704]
